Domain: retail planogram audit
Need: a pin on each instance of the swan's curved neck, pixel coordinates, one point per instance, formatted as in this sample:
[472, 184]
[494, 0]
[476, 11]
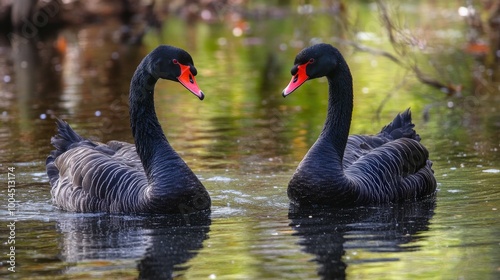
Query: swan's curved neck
[340, 105]
[150, 141]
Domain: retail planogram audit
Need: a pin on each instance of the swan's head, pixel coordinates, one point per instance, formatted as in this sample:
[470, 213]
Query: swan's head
[313, 62]
[175, 64]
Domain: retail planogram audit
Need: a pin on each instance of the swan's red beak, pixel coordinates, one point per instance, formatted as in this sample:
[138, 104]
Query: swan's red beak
[297, 80]
[186, 78]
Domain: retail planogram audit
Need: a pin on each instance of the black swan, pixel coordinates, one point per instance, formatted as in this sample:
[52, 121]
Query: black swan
[343, 171]
[118, 177]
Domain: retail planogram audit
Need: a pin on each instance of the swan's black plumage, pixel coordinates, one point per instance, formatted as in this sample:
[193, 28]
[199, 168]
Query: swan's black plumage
[118, 177]
[343, 171]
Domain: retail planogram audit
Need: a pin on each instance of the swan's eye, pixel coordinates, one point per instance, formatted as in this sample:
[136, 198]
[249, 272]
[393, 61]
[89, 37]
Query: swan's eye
[311, 60]
[175, 61]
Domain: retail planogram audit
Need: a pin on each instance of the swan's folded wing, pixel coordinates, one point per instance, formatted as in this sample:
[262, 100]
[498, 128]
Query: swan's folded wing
[399, 169]
[360, 145]
[127, 153]
[91, 180]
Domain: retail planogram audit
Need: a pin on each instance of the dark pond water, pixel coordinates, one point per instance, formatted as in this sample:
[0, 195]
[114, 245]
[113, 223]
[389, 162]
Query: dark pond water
[244, 142]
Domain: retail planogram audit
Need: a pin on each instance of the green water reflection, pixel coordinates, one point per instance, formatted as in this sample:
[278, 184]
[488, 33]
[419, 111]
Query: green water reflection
[244, 141]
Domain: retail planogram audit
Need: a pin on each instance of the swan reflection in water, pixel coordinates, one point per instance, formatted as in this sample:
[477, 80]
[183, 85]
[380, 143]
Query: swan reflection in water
[161, 244]
[327, 233]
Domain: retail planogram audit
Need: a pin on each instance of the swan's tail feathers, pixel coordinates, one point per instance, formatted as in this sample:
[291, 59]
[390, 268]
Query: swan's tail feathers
[401, 127]
[66, 136]
[66, 139]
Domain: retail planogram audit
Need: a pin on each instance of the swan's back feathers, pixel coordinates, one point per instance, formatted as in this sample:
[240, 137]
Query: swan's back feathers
[390, 166]
[359, 145]
[397, 171]
[89, 177]
[92, 181]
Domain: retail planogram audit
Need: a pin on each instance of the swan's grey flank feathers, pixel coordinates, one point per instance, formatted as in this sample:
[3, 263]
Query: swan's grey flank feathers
[345, 171]
[118, 177]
